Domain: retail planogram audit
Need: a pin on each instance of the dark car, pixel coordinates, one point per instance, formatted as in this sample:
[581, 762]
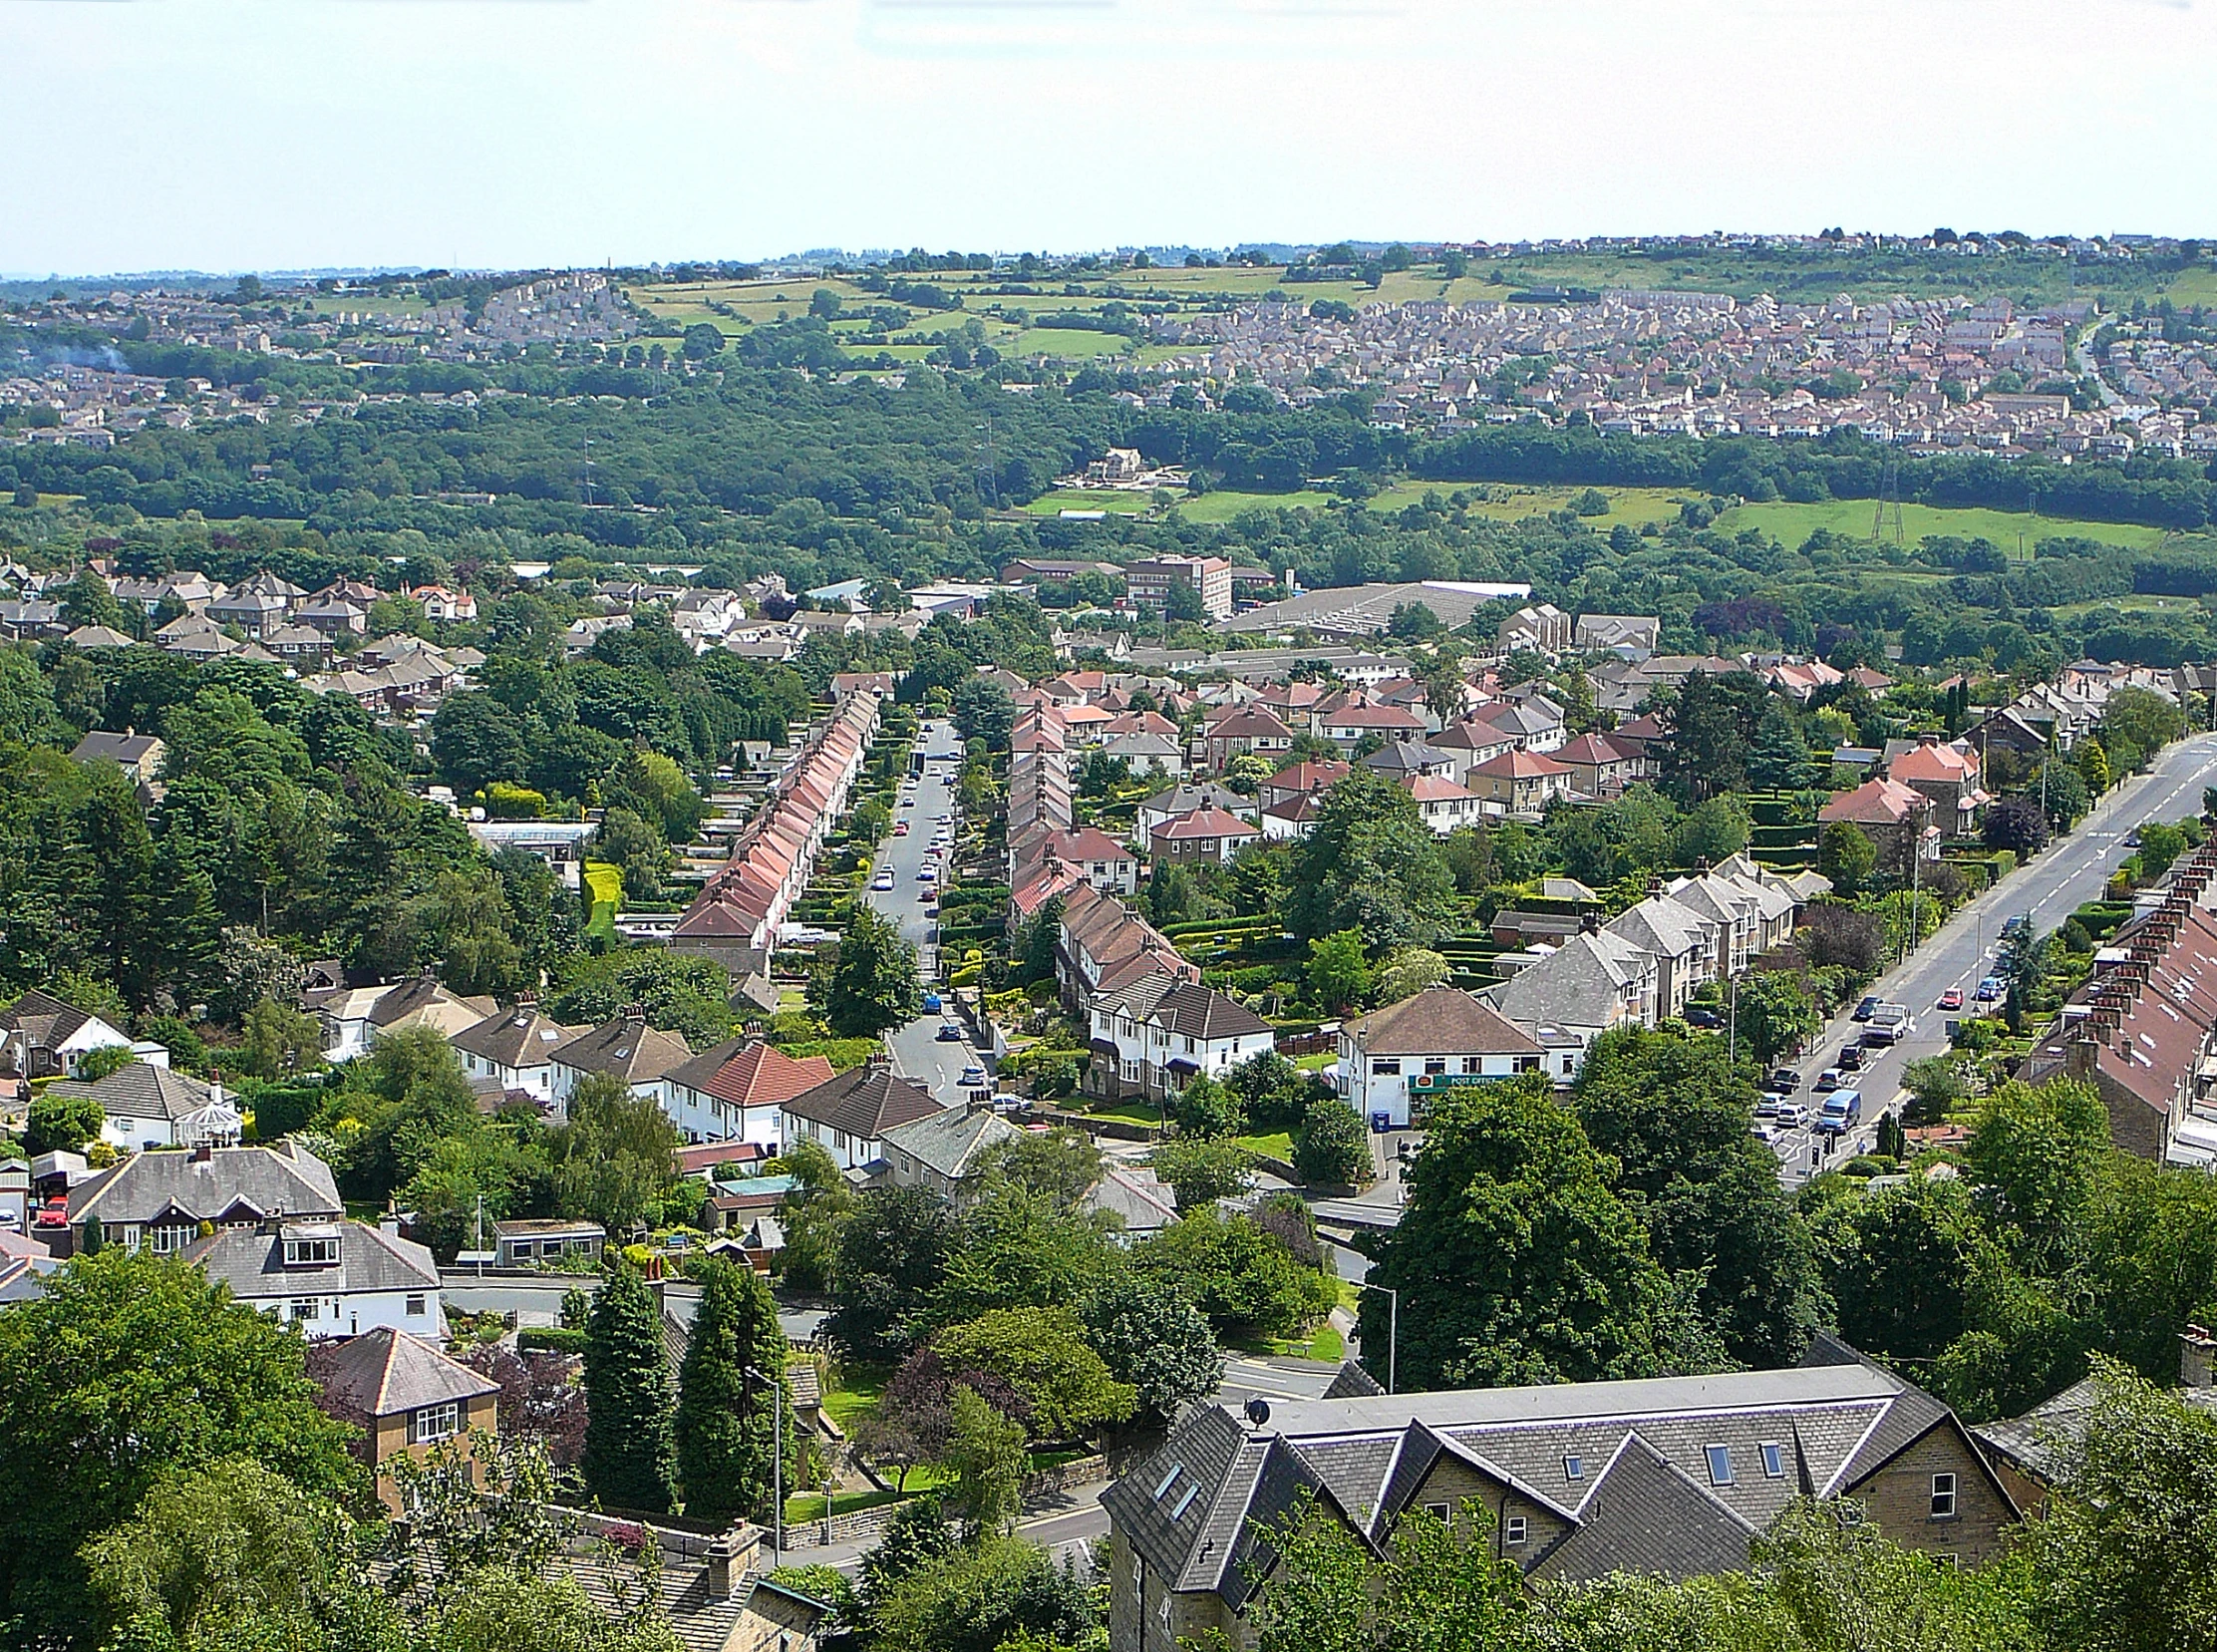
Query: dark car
[1786, 1081]
[1703, 1018]
[949, 1033]
[1866, 1009]
[1852, 1057]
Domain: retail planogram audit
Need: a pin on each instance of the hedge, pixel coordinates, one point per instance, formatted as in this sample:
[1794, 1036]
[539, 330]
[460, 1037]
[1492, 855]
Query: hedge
[554, 1339]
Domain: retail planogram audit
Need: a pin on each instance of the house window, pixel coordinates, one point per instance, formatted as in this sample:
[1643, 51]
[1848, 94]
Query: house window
[1436, 1064]
[1527, 1064]
[311, 1252]
[1512, 1531]
[1943, 1497]
[306, 1308]
[1574, 1466]
[1719, 1465]
[1386, 1067]
[1440, 1512]
[1472, 1064]
[1774, 1461]
[415, 1307]
[170, 1239]
[427, 1425]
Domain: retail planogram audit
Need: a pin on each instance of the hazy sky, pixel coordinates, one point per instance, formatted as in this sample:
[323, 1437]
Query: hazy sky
[228, 135]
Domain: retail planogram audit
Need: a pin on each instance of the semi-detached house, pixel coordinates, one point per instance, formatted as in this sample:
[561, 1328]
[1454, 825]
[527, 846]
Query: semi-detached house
[1155, 1036]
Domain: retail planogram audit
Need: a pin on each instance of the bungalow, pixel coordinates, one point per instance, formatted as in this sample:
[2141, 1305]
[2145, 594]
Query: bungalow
[532, 1241]
[1350, 725]
[1403, 760]
[144, 1107]
[1393, 1059]
[353, 1017]
[1145, 755]
[160, 1199]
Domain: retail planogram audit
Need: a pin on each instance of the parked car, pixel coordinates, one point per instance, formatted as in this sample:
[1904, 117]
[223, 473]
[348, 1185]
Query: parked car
[949, 1033]
[1990, 989]
[882, 882]
[931, 1003]
[972, 1076]
[1952, 999]
[900, 828]
[1786, 1081]
[1792, 1117]
[1703, 1018]
[1851, 1057]
[928, 874]
[1768, 1106]
[1829, 1079]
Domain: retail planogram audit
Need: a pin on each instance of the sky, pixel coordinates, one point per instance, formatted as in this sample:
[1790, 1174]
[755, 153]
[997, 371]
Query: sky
[234, 135]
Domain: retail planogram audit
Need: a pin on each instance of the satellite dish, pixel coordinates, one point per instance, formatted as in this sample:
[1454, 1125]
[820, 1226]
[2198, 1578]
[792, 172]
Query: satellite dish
[1258, 1411]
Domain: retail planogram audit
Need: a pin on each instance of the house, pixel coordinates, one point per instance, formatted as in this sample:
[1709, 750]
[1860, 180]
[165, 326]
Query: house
[1105, 946]
[407, 1398]
[1145, 755]
[1393, 1060]
[1468, 744]
[1305, 779]
[160, 1199]
[41, 1036]
[515, 1047]
[625, 1048]
[1403, 760]
[1205, 834]
[531, 1243]
[1599, 767]
[1889, 814]
[2030, 1451]
[848, 1116]
[1685, 944]
[1668, 1475]
[1591, 984]
[256, 605]
[1539, 629]
[1532, 724]
[353, 1017]
[1519, 782]
[1154, 1034]
[944, 1153]
[1444, 805]
[139, 756]
[1104, 863]
[1171, 802]
[440, 604]
[1347, 726]
[328, 1278]
[734, 1092]
[1247, 731]
[144, 1107]
[1633, 635]
[1948, 773]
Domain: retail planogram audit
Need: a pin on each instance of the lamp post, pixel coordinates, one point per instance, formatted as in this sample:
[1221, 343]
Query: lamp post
[1392, 1328]
[777, 1459]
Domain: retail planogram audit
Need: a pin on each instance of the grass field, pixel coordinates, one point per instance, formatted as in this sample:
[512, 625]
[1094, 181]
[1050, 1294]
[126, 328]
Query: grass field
[1088, 499]
[1792, 523]
[607, 884]
[1278, 1145]
[1223, 507]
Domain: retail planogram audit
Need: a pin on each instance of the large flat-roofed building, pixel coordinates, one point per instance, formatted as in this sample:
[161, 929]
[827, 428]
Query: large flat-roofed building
[1151, 580]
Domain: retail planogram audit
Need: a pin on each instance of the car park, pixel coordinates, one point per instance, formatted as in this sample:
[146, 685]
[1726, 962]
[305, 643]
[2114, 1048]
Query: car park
[1952, 999]
[1830, 1078]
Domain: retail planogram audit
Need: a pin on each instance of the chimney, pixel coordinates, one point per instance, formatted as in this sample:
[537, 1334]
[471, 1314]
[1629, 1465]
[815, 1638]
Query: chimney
[204, 1154]
[1590, 923]
[2197, 1358]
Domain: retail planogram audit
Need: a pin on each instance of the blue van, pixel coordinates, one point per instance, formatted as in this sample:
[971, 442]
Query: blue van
[1843, 1110]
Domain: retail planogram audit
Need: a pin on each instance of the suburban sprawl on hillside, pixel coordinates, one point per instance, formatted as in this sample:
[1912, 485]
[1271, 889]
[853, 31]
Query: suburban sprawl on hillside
[1336, 948]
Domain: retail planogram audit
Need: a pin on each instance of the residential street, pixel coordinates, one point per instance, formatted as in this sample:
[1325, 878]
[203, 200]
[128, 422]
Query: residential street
[2049, 887]
[917, 1052]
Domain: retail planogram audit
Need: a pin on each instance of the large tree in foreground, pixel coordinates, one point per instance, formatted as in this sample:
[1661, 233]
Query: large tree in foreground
[725, 1449]
[628, 1462]
[874, 985]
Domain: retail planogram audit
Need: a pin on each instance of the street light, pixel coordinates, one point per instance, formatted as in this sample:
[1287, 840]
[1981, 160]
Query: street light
[777, 1459]
[1392, 1327]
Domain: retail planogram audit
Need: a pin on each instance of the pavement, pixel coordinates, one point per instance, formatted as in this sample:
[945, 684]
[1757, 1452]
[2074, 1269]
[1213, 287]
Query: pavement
[917, 1052]
[1065, 1524]
[2047, 888]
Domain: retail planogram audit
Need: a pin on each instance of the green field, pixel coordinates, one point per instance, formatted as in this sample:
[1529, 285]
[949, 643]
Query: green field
[1223, 507]
[605, 883]
[1792, 523]
[1088, 499]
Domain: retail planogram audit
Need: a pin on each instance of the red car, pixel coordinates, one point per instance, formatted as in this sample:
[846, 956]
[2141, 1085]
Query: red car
[1952, 999]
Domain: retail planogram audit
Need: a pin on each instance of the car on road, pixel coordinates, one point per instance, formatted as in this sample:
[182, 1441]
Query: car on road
[931, 1003]
[1828, 1080]
[1786, 1081]
[1708, 1019]
[929, 874]
[882, 882]
[1765, 1133]
[949, 1033]
[900, 828]
[1792, 1117]
[1866, 1010]
[972, 1076]
[1990, 989]
[1766, 1106]
[1852, 1056]
[2132, 839]
[1952, 999]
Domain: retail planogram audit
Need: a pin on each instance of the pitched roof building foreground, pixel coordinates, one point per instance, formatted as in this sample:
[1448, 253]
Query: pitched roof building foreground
[1669, 1476]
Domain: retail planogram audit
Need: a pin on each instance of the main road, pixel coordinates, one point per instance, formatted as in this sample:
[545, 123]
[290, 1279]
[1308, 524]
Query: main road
[919, 1052]
[2046, 889]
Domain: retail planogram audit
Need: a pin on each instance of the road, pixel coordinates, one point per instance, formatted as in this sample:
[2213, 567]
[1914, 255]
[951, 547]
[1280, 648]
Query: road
[2048, 889]
[917, 1052]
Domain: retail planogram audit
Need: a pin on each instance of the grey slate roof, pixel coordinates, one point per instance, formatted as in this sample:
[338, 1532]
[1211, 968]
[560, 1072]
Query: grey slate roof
[865, 1102]
[384, 1373]
[1191, 1010]
[949, 1142]
[137, 1091]
[627, 1047]
[227, 1184]
[252, 1261]
[515, 1038]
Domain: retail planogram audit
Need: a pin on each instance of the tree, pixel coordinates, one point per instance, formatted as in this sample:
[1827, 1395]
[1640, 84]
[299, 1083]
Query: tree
[613, 1158]
[2141, 719]
[1152, 1338]
[629, 1459]
[2126, 1559]
[1408, 972]
[279, 1040]
[1514, 1260]
[874, 986]
[128, 1370]
[1712, 830]
[1779, 759]
[1001, 1594]
[1061, 1165]
[1936, 1089]
[987, 1452]
[1441, 1586]
[1243, 1279]
[892, 1257]
[913, 1539]
[1369, 864]
[1333, 1147]
[475, 740]
[1200, 1172]
[1714, 724]
[725, 1414]
[1844, 854]
[1039, 1353]
[702, 341]
[1339, 973]
[1773, 1014]
[1182, 604]
[2093, 765]
[2015, 823]
[984, 711]
[1896, 1264]
[63, 1123]
[1207, 1108]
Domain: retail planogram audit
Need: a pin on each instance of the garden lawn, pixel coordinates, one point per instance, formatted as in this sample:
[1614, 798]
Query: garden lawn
[1278, 1145]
